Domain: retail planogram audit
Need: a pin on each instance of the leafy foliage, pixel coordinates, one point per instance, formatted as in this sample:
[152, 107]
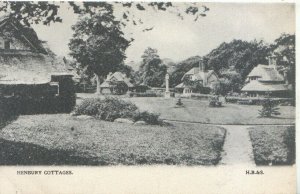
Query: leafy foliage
[44, 12]
[150, 118]
[215, 102]
[120, 88]
[98, 43]
[269, 108]
[183, 67]
[284, 50]
[233, 61]
[179, 103]
[30, 12]
[273, 145]
[196, 86]
[152, 72]
[107, 109]
[110, 108]
[290, 141]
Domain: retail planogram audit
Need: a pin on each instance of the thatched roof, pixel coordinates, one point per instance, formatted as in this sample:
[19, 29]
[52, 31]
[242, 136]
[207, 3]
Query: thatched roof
[257, 86]
[116, 77]
[35, 64]
[24, 33]
[199, 75]
[181, 85]
[266, 73]
[29, 68]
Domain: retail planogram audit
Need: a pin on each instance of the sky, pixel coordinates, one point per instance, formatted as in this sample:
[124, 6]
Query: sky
[179, 39]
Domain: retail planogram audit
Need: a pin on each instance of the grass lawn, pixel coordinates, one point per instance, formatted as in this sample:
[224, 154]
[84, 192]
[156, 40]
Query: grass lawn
[63, 139]
[275, 145]
[199, 111]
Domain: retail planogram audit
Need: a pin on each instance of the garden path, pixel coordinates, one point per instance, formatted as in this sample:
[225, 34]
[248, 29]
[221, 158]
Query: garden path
[237, 146]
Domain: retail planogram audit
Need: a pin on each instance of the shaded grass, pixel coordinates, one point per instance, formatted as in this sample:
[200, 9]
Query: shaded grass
[273, 145]
[96, 142]
[19, 153]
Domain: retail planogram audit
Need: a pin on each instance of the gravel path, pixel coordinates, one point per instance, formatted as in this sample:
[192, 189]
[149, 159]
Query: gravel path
[237, 147]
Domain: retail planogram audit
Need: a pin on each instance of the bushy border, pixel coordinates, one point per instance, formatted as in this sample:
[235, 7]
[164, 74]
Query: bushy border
[258, 101]
[112, 108]
[273, 146]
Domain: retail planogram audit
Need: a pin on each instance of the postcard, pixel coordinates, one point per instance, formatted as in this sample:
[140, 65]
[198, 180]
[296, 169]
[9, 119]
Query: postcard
[147, 97]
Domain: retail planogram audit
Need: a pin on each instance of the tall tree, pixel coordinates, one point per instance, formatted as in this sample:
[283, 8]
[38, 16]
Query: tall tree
[284, 50]
[98, 44]
[152, 72]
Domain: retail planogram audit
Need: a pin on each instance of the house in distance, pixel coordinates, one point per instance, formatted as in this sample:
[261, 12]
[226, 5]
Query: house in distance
[116, 83]
[266, 80]
[206, 77]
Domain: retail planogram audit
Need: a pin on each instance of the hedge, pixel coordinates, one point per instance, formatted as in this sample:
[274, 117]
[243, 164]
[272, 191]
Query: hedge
[258, 101]
[149, 94]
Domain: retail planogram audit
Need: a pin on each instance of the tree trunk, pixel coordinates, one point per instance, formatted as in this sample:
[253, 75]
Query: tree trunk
[98, 78]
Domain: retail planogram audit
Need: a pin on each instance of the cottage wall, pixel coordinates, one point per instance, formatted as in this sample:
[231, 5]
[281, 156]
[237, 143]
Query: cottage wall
[8, 34]
[15, 44]
[213, 78]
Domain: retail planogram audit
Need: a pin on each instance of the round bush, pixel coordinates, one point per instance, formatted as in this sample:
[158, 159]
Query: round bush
[111, 108]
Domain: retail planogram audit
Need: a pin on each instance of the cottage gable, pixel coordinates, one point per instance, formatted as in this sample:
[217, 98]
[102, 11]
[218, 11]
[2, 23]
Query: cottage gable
[16, 37]
[23, 58]
[116, 77]
[206, 77]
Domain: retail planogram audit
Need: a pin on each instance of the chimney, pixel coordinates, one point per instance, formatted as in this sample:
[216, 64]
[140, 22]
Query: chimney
[272, 60]
[201, 65]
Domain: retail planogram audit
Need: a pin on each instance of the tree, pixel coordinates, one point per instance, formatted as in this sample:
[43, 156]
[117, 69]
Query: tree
[181, 68]
[98, 44]
[152, 71]
[128, 71]
[284, 50]
[45, 12]
[98, 41]
[196, 85]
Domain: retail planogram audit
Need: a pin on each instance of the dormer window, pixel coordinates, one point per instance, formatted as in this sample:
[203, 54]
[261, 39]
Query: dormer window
[253, 78]
[7, 44]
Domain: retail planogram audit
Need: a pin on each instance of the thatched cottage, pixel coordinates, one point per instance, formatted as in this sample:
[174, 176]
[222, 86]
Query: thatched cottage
[206, 77]
[266, 80]
[116, 83]
[28, 67]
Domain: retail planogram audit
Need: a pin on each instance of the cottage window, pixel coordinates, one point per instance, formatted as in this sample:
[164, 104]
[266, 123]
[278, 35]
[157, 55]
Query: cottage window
[252, 94]
[7, 44]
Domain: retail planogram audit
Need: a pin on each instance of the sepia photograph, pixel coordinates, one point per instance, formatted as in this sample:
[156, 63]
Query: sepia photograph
[180, 84]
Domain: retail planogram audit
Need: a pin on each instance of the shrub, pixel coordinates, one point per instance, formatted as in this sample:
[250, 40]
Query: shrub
[214, 102]
[140, 94]
[289, 140]
[258, 100]
[269, 108]
[108, 109]
[179, 103]
[120, 88]
[150, 118]
[273, 145]
[111, 108]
